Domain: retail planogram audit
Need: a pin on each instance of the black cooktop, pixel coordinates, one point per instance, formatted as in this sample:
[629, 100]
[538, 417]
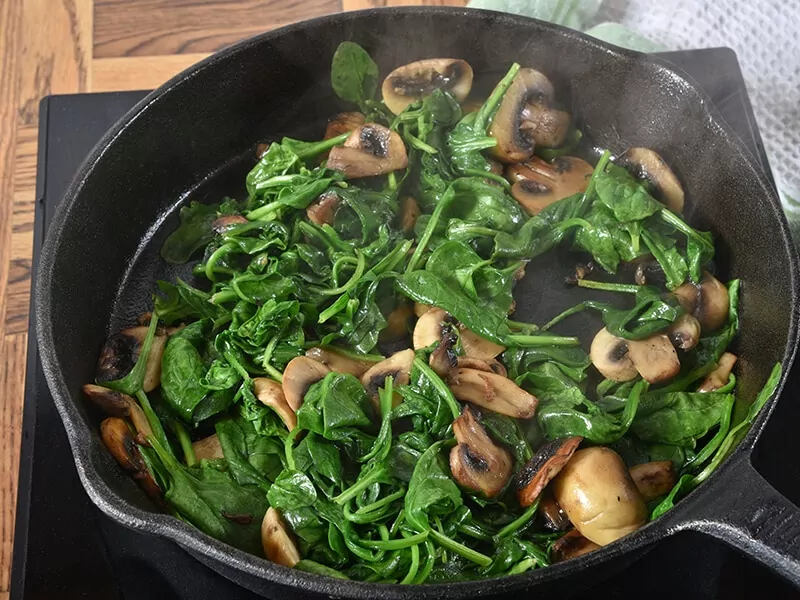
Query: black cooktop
[65, 548]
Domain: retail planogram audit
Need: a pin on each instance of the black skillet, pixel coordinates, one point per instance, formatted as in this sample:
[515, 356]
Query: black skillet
[193, 138]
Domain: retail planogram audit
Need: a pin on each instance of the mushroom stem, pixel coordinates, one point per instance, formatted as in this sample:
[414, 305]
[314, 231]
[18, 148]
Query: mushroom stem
[477, 463]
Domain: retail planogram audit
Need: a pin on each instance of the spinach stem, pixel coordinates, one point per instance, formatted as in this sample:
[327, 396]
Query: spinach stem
[185, 442]
[223, 296]
[214, 258]
[625, 288]
[530, 341]
[430, 560]
[460, 549]
[522, 326]
[446, 199]
[152, 418]
[378, 504]
[360, 268]
[392, 179]
[523, 566]
[587, 195]
[397, 544]
[412, 570]
[354, 490]
[288, 447]
[574, 310]
[488, 175]
[520, 521]
[440, 386]
[486, 112]
[715, 442]
[314, 149]
[273, 372]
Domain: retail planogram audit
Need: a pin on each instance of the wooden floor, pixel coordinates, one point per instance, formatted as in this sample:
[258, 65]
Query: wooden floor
[68, 46]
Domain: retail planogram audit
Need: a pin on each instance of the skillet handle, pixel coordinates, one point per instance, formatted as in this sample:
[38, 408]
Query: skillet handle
[754, 518]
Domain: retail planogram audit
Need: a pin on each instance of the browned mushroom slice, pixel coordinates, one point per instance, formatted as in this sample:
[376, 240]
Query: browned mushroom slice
[121, 351]
[299, 375]
[571, 545]
[208, 448]
[339, 363]
[543, 467]
[477, 463]
[428, 329]
[409, 213]
[397, 324]
[409, 83]
[647, 164]
[547, 126]
[276, 540]
[654, 479]
[444, 358]
[322, 211]
[654, 358]
[718, 377]
[554, 517]
[490, 365]
[708, 301]
[227, 222]
[397, 366]
[684, 332]
[420, 309]
[370, 150]
[117, 404]
[118, 438]
[475, 346]
[271, 393]
[344, 122]
[596, 491]
[610, 356]
[493, 392]
[537, 184]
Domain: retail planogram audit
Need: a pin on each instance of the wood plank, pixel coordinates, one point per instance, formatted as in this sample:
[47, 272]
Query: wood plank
[139, 72]
[361, 4]
[25, 158]
[12, 384]
[158, 27]
[56, 45]
[18, 287]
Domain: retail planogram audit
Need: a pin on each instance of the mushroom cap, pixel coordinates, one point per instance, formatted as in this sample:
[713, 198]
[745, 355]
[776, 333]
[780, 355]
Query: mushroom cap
[684, 332]
[397, 366]
[719, 376]
[420, 308]
[648, 164]
[547, 126]
[708, 301]
[276, 540]
[322, 211]
[117, 404]
[475, 346]
[596, 491]
[654, 358]
[571, 545]
[409, 83]
[299, 375]
[477, 463]
[339, 363]
[654, 479]
[515, 144]
[371, 150]
[540, 470]
[271, 393]
[208, 448]
[344, 122]
[609, 355]
[537, 183]
[118, 438]
[493, 392]
[428, 329]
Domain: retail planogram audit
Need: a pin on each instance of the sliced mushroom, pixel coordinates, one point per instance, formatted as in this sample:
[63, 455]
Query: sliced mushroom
[420, 309]
[397, 323]
[118, 438]
[370, 150]
[271, 393]
[409, 213]
[121, 351]
[339, 363]
[444, 358]
[554, 517]
[684, 332]
[609, 355]
[398, 366]
[543, 467]
[708, 301]
[654, 479]
[279, 547]
[477, 463]
[647, 164]
[409, 83]
[117, 404]
[596, 491]
[343, 123]
[547, 126]
[475, 346]
[719, 377]
[516, 143]
[537, 184]
[571, 545]
[654, 358]
[490, 365]
[208, 448]
[428, 329]
[226, 223]
[492, 392]
[322, 211]
[299, 375]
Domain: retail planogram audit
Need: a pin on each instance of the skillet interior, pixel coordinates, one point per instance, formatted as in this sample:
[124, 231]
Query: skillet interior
[100, 260]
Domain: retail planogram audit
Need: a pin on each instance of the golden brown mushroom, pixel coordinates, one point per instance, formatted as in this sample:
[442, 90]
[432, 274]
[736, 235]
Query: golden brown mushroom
[475, 346]
[428, 329]
[493, 392]
[208, 448]
[409, 213]
[322, 211]
[117, 404]
[299, 375]
[610, 356]
[647, 164]
[654, 358]
[554, 517]
[344, 122]
[409, 83]
[547, 126]
[121, 351]
[370, 150]
[118, 438]
[397, 323]
[684, 332]
[707, 301]
[477, 463]
[571, 545]
[279, 547]
[397, 366]
[654, 479]
[490, 365]
[540, 470]
[224, 224]
[719, 377]
[339, 363]
[271, 393]
[596, 491]
[537, 184]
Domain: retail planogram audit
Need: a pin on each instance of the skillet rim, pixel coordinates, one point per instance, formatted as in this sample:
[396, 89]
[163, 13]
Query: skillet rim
[196, 541]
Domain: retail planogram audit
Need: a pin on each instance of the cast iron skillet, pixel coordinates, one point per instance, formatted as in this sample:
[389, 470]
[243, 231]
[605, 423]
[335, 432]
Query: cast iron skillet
[100, 257]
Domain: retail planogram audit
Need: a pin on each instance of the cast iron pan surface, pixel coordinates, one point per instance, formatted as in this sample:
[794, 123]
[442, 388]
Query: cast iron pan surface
[193, 139]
